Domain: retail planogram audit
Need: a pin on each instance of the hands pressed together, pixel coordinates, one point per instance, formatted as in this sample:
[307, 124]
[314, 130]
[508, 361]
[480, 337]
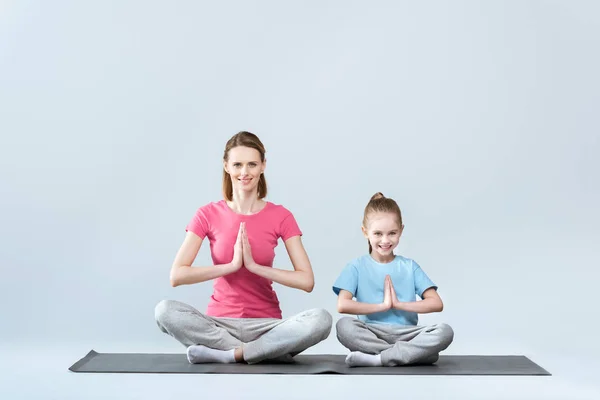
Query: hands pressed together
[242, 255]
[242, 252]
[390, 300]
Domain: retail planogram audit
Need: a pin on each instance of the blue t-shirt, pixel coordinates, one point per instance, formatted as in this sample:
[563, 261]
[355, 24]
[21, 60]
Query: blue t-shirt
[365, 278]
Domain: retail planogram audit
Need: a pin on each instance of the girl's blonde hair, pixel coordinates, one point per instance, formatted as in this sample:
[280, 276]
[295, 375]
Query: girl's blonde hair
[380, 203]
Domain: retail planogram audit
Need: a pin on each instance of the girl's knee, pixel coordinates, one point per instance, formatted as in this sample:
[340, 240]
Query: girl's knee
[446, 334]
[345, 328]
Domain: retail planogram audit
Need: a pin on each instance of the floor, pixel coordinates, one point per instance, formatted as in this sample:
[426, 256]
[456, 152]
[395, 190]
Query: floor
[41, 372]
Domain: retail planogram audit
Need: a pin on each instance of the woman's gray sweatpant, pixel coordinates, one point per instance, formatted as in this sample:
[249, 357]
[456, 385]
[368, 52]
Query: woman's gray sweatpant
[261, 338]
[397, 344]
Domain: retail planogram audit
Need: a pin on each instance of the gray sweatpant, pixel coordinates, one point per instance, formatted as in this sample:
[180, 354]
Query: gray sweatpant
[260, 338]
[397, 344]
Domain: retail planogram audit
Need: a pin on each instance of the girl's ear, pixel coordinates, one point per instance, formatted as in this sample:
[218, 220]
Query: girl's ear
[364, 231]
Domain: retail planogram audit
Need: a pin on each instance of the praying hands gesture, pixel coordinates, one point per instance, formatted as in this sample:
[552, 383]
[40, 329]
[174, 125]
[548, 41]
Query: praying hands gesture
[300, 278]
[249, 262]
[431, 301]
[390, 300]
[346, 304]
[242, 252]
[238, 251]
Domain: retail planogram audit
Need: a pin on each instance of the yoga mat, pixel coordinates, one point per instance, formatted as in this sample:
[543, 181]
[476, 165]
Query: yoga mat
[304, 365]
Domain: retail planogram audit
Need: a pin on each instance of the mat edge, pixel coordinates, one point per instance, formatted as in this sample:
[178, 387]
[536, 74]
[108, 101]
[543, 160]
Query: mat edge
[80, 363]
[330, 370]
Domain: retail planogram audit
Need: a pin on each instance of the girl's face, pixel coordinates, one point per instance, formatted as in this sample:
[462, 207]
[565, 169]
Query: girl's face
[383, 233]
[245, 167]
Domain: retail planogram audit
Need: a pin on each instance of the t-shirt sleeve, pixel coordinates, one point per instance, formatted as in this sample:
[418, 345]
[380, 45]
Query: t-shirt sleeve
[348, 280]
[422, 281]
[199, 224]
[289, 227]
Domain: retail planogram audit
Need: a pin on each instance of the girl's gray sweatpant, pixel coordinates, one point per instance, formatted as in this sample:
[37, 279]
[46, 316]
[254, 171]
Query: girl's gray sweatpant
[397, 344]
[260, 338]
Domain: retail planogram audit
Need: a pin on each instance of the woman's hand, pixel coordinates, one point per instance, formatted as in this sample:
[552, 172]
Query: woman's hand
[238, 256]
[249, 262]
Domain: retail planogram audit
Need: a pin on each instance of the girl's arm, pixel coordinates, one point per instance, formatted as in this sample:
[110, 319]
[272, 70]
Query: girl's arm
[346, 305]
[182, 272]
[431, 302]
[301, 277]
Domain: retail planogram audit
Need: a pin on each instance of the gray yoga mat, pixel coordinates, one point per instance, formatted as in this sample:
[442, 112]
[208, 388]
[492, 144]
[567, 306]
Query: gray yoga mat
[304, 365]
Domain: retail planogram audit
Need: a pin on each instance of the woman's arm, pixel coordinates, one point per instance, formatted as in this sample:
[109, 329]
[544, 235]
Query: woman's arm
[183, 273]
[301, 277]
[345, 304]
[431, 302]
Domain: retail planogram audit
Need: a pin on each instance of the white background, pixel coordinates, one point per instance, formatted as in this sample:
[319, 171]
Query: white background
[480, 118]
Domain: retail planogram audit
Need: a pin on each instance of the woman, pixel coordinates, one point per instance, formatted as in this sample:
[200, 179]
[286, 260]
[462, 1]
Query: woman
[243, 321]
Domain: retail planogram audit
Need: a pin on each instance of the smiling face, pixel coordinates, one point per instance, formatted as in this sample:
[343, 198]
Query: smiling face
[383, 231]
[245, 167]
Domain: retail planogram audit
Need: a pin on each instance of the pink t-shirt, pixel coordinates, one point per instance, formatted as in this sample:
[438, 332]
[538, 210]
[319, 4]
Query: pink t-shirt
[243, 294]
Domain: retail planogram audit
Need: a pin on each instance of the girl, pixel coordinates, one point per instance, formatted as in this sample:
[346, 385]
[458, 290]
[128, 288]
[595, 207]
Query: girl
[384, 285]
[243, 320]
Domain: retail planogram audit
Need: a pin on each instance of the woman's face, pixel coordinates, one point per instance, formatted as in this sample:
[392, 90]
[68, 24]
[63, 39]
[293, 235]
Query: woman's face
[245, 167]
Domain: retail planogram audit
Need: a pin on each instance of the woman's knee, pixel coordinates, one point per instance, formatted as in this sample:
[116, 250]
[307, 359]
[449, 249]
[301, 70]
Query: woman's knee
[164, 311]
[161, 310]
[322, 321]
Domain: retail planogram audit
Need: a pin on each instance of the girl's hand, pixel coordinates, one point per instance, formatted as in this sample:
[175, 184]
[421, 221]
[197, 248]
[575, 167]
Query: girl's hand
[387, 294]
[238, 258]
[395, 302]
[249, 262]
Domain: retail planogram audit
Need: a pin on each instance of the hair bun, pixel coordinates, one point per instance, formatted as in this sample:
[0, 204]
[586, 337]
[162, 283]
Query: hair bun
[378, 195]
